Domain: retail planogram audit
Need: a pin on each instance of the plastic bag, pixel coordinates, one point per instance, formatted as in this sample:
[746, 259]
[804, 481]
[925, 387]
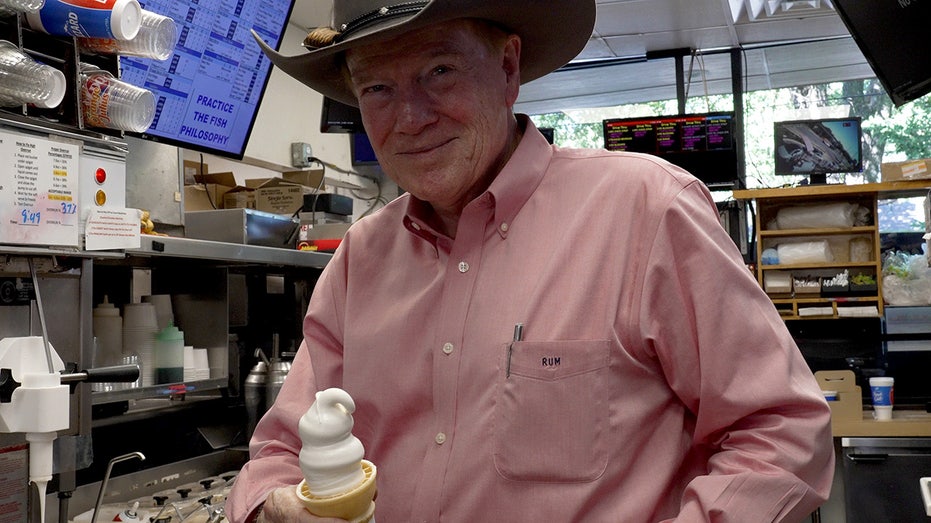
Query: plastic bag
[840, 214]
[816, 251]
[906, 279]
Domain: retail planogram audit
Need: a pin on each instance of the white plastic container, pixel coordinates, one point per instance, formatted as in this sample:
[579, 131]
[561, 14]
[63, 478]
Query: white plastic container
[108, 329]
[119, 19]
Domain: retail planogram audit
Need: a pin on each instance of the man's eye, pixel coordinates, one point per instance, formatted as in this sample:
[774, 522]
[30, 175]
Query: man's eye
[374, 89]
[440, 70]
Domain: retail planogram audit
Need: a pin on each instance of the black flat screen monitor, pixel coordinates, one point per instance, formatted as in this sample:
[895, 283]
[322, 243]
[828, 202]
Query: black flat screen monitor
[893, 36]
[816, 148]
[337, 117]
[208, 92]
[703, 144]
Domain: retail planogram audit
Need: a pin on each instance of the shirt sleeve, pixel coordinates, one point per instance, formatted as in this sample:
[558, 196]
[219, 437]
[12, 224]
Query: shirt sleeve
[760, 418]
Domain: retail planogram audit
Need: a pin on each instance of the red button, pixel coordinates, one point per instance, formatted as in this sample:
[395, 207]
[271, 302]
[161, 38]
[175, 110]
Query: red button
[100, 175]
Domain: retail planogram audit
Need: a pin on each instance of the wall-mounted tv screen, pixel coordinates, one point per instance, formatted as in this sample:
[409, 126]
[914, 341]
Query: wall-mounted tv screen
[208, 92]
[703, 144]
[893, 36]
[816, 148]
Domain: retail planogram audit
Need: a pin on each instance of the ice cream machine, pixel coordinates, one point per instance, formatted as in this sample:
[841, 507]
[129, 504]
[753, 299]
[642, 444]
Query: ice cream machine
[37, 387]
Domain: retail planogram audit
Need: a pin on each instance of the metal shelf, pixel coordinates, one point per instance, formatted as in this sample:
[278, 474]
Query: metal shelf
[170, 246]
[162, 390]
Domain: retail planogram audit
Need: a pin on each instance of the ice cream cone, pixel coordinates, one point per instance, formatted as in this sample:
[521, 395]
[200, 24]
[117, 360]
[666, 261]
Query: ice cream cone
[355, 505]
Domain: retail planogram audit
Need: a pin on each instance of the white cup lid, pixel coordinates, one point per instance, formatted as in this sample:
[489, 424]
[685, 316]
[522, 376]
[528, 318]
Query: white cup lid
[56, 86]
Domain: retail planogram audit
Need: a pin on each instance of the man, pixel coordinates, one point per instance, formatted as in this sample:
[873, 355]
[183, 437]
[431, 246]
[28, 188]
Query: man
[532, 333]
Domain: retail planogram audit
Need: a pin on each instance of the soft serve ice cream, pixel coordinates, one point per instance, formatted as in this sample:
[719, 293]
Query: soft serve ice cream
[337, 481]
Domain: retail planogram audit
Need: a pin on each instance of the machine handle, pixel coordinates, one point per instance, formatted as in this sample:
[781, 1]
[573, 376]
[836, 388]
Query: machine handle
[114, 374]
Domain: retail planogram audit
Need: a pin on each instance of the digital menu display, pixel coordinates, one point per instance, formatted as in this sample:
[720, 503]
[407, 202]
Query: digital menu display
[208, 91]
[703, 144]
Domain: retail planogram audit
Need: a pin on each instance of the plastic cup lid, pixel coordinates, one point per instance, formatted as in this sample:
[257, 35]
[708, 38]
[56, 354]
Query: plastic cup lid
[57, 87]
[126, 20]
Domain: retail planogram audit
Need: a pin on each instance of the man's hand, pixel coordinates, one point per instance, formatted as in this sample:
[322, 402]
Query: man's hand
[283, 506]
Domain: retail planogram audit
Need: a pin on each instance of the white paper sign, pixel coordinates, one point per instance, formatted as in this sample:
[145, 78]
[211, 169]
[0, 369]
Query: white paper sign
[109, 228]
[38, 191]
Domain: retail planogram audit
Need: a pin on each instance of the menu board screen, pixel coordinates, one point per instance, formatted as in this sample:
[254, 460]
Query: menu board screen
[208, 91]
[703, 144]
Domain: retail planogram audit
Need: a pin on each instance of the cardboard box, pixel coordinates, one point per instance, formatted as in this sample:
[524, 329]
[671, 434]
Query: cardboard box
[311, 178]
[192, 169]
[239, 198]
[909, 170]
[280, 197]
[255, 183]
[208, 191]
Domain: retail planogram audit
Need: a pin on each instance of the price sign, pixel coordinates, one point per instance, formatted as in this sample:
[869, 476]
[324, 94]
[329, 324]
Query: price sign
[38, 191]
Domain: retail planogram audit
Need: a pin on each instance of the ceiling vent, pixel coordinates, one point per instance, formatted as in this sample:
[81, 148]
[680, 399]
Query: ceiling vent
[759, 10]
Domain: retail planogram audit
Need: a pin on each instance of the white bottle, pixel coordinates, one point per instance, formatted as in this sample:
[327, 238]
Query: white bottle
[108, 329]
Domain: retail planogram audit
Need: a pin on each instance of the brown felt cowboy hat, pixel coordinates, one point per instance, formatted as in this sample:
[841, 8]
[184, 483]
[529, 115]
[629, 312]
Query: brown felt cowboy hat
[552, 33]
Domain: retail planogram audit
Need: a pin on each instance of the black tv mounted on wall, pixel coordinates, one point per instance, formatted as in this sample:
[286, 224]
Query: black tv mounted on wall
[704, 144]
[893, 36]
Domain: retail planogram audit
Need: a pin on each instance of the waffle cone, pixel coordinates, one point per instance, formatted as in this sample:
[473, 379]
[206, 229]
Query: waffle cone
[355, 506]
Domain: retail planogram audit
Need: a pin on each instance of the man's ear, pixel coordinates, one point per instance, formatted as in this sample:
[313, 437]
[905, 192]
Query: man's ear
[511, 66]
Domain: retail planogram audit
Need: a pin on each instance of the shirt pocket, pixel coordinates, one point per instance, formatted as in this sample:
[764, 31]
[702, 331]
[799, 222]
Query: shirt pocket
[551, 411]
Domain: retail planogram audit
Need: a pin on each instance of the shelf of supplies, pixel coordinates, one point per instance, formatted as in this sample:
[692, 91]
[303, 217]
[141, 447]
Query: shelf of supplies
[839, 231]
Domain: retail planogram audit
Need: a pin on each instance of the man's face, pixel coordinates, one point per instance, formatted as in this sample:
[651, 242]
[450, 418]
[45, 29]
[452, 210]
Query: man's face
[436, 105]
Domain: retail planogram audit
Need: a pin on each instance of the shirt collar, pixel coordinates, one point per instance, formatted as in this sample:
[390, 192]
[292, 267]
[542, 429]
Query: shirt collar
[510, 189]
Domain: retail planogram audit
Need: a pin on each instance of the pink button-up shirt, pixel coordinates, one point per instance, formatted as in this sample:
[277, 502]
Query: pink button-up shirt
[654, 380]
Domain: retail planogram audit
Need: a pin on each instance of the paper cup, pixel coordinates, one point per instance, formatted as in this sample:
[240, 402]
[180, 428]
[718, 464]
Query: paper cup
[883, 393]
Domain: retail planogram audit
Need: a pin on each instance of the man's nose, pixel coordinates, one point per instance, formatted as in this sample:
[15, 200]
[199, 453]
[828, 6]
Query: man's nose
[416, 111]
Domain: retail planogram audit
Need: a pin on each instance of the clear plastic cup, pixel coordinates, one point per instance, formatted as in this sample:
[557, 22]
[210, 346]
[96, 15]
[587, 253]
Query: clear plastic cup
[12, 7]
[109, 102]
[156, 39]
[23, 80]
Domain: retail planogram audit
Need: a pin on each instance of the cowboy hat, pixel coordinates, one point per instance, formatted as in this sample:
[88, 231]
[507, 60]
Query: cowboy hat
[552, 32]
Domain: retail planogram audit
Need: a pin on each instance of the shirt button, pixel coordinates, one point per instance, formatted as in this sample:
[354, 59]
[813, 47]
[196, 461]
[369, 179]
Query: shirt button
[440, 438]
[447, 348]
[504, 227]
[463, 267]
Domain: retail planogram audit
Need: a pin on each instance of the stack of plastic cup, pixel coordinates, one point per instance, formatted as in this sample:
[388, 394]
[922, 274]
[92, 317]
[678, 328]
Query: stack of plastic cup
[139, 331]
[114, 104]
[190, 370]
[25, 81]
[201, 364]
[156, 39]
[12, 7]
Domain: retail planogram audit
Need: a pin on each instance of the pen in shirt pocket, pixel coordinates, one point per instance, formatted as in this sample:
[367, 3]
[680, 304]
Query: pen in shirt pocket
[518, 335]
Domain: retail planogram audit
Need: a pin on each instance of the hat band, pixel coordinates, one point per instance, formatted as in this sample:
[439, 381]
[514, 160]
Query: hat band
[378, 15]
